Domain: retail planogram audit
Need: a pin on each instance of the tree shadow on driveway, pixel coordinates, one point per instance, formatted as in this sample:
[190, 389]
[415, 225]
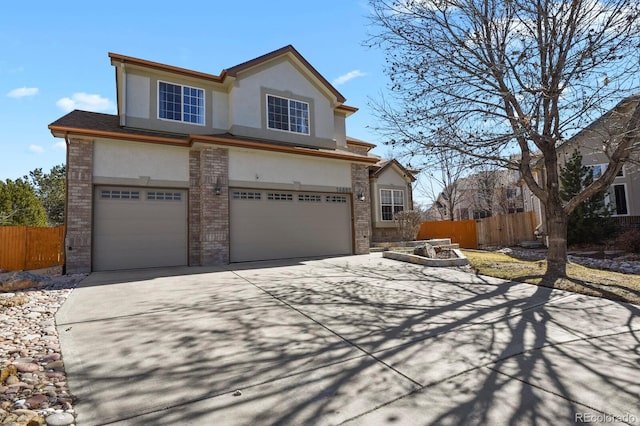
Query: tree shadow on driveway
[350, 341]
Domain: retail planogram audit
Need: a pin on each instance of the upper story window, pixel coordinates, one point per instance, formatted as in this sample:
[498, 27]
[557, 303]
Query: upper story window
[599, 169]
[391, 202]
[180, 103]
[287, 114]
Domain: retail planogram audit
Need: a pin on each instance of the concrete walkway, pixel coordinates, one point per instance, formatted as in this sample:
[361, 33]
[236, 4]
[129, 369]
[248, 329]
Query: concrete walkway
[356, 340]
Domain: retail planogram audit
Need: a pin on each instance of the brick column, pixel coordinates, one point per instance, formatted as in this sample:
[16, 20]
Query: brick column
[361, 209]
[79, 206]
[208, 211]
[194, 208]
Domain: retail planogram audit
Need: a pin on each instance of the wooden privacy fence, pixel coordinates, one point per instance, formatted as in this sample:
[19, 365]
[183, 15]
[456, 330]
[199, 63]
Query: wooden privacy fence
[506, 230]
[24, 247]
[462, 232]
[503, 230]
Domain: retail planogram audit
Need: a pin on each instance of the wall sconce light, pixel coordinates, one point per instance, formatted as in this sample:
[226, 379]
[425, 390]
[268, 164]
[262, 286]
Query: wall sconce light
[218, 187]
[361, 196]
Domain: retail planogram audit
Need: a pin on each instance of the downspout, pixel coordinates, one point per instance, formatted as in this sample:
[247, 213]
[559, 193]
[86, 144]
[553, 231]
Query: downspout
[66, 202]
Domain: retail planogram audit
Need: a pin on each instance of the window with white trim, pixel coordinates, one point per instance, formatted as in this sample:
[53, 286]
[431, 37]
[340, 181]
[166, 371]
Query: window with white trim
[599, 169]
[180, 103]
[287, 115]
[391, 202]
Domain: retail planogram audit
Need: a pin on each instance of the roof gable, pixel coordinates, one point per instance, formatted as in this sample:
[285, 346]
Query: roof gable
[609, 124]
[394, 165]
[292, 54]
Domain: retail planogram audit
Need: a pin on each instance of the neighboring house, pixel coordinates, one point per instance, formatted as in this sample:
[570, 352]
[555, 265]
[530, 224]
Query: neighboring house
[483, 194]
[202, 169]
[623, 196]
[390, 193]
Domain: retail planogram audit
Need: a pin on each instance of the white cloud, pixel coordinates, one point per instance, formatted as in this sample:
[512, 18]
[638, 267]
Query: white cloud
[60, 145]
[21, 92]
[348, 76]
[85, 101]
[36, 149]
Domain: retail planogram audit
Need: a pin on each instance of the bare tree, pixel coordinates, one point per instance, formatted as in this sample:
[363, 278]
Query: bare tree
[487, 186]
[511, 76]
[443, 170]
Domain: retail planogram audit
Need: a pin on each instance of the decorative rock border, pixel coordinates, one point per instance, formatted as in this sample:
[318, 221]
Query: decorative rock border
[461, 259]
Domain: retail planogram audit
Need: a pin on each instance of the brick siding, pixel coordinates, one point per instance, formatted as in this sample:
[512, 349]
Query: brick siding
[361, 209]
[385, 235]
[79, 206]
[208, 211]
[356, 149]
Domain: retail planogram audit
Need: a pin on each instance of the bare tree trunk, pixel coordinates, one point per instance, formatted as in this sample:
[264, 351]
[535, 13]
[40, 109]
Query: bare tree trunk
[556, 221]
[557, 234]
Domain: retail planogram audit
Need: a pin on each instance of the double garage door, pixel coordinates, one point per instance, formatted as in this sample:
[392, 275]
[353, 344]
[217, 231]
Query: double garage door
[269, 224]
[148, 227]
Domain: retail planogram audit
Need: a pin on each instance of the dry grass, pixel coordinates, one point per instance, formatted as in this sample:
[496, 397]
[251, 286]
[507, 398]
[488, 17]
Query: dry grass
[580, 279]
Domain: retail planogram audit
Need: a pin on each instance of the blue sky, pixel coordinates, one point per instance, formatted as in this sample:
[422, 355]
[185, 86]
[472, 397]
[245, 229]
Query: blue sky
[53, 57]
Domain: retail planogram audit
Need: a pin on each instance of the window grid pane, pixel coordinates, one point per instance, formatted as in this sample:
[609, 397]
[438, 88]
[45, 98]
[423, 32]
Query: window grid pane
[398, 197]
[193, 105]
[242, 195]
[119, 195]
[387, 213]
[336, 199]
[275, 196]
[385, 196]
[278, 113]
[299, 118]
[309, 198]
[170, 101]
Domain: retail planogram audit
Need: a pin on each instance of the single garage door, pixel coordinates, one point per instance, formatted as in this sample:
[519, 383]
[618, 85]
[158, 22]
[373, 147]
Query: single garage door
[286, 224]
[139, 228]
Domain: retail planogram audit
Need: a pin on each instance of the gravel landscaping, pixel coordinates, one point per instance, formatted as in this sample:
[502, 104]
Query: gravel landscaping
[33, 386]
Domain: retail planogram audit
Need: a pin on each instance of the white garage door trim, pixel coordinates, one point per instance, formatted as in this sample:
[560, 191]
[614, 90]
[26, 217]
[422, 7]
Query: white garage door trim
[275, 224]
[139, 227]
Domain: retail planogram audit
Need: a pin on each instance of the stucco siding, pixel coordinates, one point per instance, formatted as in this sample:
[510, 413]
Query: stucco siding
[122, 159]
[390, 177]
[142, 92]
[219, 110]
[340, 130]
[138, 93]
[280, 78]
[265, 167]
[590, 146]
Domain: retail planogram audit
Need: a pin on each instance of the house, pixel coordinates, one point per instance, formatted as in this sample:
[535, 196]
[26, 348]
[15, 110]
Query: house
[203, 169]
[390, 193]
[483, 194]
[623, 195]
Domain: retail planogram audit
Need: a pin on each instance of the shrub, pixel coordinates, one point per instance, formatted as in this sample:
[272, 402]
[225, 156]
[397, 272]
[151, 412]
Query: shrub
[408, 223]
[629, 241]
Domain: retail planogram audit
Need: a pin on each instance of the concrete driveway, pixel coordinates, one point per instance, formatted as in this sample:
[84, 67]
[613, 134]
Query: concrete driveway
[357, 340]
